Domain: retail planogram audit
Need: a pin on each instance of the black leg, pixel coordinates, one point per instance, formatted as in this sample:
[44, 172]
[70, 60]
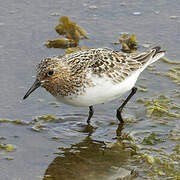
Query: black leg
[119, 129]
[119, 110]
[91, 112]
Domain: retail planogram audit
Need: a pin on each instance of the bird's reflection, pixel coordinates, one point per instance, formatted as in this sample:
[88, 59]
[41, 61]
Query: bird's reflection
[89, 159]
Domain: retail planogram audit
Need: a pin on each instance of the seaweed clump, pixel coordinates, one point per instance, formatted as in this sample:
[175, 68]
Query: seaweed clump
[7, 147]
[61, 43]
[70, 29]
[128, 43]
[72, 32]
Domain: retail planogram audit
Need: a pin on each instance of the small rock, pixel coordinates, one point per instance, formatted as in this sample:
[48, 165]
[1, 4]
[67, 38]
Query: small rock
[55, 14]
[92, 7]
[122, 4]
[136, 13]
[157, 12]
[173, 17]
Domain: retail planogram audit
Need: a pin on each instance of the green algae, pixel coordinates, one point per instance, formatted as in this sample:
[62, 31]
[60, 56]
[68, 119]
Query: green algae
[20, 122]
[156, 166]
[142, 88]
[7, 147]
[159, 107]
[36, 123]
[8, 158]
[157, 162]
[38, 127]
[174, 135]
[39, 122]
[5, 121]
[169, 61]
[152, 139]
[2, 138]
[45, 118]
[125, 141]
[175, 69]
[55, 138]
[174, 74]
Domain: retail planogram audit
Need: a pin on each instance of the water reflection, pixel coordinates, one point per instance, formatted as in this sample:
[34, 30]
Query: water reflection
[90, 159]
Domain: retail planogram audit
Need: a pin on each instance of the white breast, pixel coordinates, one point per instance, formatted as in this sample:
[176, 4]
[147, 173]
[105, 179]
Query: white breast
[104, 90]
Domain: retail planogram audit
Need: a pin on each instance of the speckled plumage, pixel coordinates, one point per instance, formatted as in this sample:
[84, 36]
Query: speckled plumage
[72, 70]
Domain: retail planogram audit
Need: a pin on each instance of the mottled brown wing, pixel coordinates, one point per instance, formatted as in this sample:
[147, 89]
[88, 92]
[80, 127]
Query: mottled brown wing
[103, 61]
[116, 65]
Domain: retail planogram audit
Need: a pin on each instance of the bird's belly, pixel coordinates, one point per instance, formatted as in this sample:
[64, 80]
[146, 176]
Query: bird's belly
[104, 90]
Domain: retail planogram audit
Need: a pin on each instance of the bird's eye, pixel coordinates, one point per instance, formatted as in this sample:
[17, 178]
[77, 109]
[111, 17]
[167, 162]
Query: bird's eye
[50, 73]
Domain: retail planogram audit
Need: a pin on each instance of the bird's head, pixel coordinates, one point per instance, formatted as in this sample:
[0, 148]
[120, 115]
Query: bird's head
[50, 75]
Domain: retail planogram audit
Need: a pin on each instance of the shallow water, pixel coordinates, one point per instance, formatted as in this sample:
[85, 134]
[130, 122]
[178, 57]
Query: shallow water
[64, 149]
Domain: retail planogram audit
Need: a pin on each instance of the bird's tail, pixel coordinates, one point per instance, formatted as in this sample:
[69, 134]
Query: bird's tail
[156, 53]
[150, 57]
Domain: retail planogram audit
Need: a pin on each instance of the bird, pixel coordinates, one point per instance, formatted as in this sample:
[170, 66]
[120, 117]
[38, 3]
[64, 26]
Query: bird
[93, 76]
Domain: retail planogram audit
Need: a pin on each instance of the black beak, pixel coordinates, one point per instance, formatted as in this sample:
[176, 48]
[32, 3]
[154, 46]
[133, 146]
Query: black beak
[36, 84]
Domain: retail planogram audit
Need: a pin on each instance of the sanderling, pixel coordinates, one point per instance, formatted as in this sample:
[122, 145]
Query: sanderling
[93, 76]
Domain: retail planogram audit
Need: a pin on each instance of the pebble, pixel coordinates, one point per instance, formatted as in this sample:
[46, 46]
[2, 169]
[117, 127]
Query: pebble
[55, 14]
[92, 7]
[173, 17]
[137, 13]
